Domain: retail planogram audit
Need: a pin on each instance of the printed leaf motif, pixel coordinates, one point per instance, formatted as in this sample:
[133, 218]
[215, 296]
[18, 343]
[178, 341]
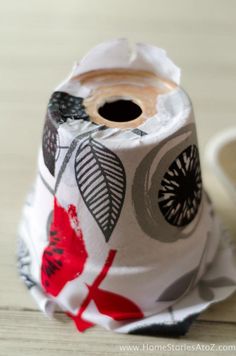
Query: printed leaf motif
[183, 284]
[24, 263]
[179, 287]
[205, 286]
[220, 282]
[101, 180]
[205, 292]
[116, 306]
[61, 107]
[108, 303]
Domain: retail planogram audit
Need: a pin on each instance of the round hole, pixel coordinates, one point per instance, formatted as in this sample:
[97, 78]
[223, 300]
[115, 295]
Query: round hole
[120, 110]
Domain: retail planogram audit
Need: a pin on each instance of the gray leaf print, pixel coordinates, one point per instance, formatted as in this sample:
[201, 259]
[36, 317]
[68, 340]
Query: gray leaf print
[204, 286]
[220, 282]
[179, 287]
[183, 284]
[101, 180]
[205, 292]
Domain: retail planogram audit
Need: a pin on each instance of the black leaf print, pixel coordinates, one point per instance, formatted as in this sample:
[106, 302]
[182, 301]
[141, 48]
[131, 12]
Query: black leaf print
[101, 180]
[23, 264]
[49, 144]
[205, 286]
[181, 188]
[70, 152]
[64, 106]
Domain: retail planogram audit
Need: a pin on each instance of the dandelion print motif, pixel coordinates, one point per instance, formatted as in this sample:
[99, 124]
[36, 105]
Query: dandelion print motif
[181, 188]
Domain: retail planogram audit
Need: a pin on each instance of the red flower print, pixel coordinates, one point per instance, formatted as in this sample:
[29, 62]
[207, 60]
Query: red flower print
[65, 256]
